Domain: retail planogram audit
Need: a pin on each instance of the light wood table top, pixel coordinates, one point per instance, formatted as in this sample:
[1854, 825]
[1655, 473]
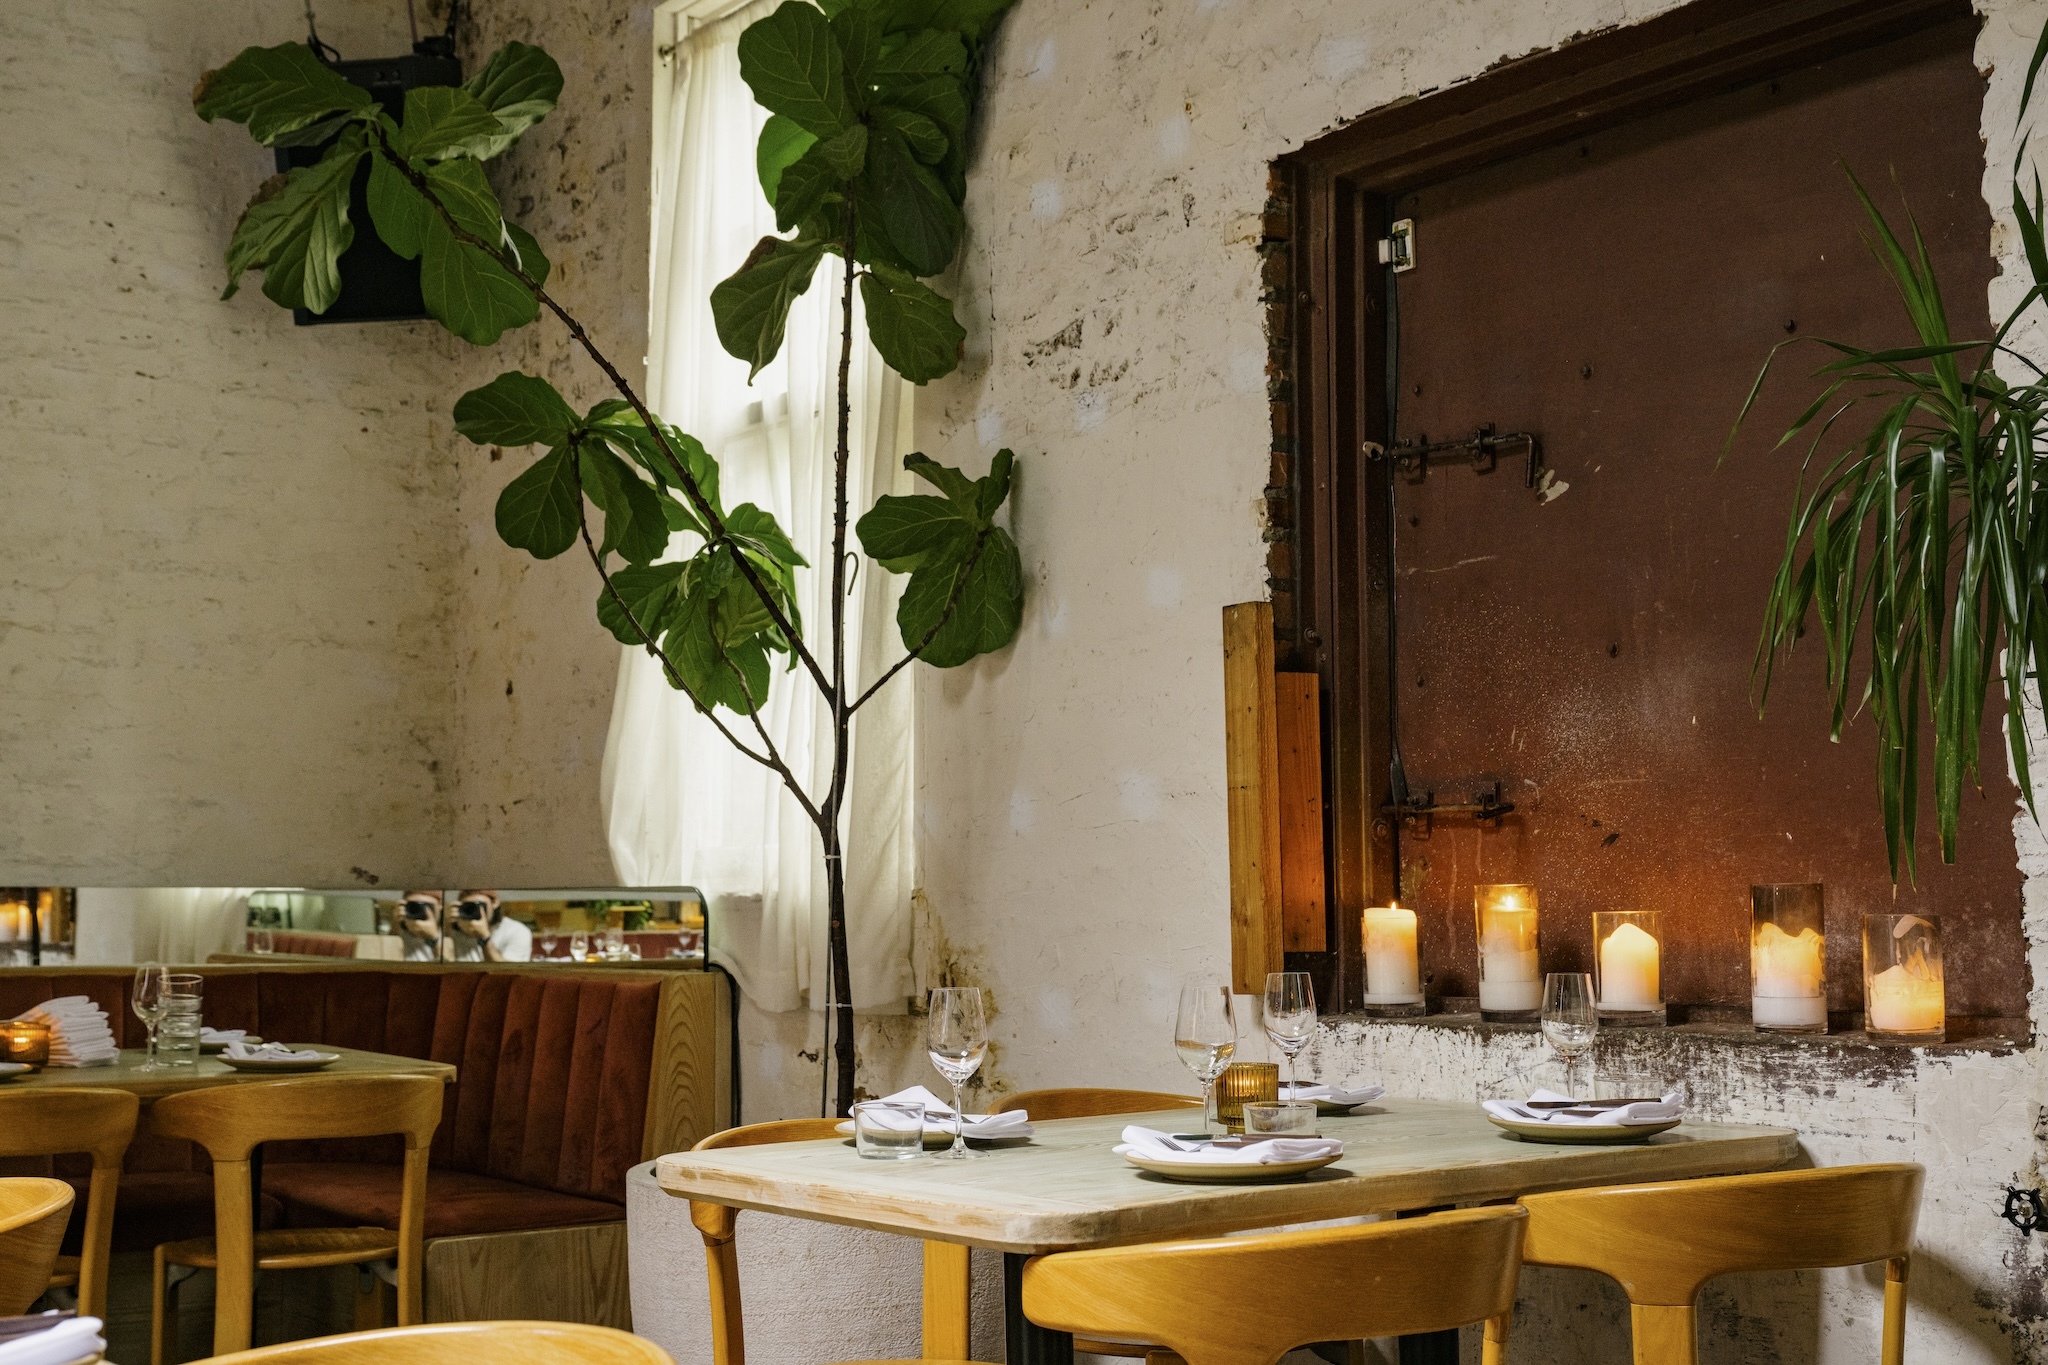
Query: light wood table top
[1066, 1188]
[127, 1073]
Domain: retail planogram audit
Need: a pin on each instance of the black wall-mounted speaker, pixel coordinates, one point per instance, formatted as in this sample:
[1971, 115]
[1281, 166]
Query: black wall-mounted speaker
[377, 284]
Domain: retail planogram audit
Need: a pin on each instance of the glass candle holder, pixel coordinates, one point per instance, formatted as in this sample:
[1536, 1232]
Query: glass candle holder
[1788, 988]
[1393, 974]
[1245, 1083]
[26, 1043]
[1904, 998]
[1510, 985]
[1629, 955]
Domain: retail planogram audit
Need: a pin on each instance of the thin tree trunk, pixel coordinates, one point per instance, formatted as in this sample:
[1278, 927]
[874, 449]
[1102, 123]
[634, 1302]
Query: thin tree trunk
[842, 711]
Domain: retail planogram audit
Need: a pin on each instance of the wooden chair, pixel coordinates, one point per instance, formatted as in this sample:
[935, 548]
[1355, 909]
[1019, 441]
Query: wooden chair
[1082, 1102]
[229, 1121]
[464, 1343]
[946, 1285]
[100, 1123]
[1250, 1300]
[33, 1211]
[1664, 1241]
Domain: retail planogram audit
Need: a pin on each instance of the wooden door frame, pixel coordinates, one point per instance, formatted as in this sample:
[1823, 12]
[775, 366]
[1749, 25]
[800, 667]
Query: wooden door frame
[1336, 318]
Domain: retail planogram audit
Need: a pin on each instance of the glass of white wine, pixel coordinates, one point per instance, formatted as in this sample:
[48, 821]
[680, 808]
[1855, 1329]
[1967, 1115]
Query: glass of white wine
[1205, 1036]
[1570, 1023]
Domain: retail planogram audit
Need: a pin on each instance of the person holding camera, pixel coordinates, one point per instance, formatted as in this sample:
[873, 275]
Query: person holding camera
[418, 925]
[482, 932]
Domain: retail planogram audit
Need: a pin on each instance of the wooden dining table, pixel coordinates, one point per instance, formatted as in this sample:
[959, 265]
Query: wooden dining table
[1065, 1189]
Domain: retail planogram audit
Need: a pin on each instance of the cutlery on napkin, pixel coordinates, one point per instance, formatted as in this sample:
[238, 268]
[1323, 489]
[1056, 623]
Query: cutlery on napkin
[271, 1052]
[1543, 1107]
[65, 1339]
[1154, 1145]
[1333, 1094]
[939, 1115]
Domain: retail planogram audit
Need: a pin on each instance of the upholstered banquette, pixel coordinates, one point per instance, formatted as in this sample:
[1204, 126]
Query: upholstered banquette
[566, 1077]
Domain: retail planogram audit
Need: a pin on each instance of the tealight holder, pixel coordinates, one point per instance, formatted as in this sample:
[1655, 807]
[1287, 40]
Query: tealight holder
[1904, 993]
[1245, 1083]
[1788, 987]
[1393, 974]
[1510, 981]
[26, 1043]
[1629, 960]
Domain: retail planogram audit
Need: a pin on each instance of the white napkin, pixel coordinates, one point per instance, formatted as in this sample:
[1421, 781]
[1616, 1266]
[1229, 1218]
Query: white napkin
[215, 1037]
[939, 1115]
[66, 1340]
[1333, 1094]
[1626, 1116]
[79, 1035]
[1154, 1145]
[269, 1052]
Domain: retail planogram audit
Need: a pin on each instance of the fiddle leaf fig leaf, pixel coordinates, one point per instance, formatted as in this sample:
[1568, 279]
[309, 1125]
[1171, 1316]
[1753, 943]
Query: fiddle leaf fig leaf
[515, 410]
[845, 154]
[531, 260]
[922, 54]
[519, 85]
[634, 526]
[649, 592]
[910, 324]
[919, 217]
[396, 209]
[956, 557]
[802, 189]
[440, 121]
[860, 47]
[791, 61]
[538, 511]
[296, 228]
[759, 531]
[783, 140]
[926, 140]
[276, 91]
[751, 307]
[616, 423]
[467, 291]
[942, 100]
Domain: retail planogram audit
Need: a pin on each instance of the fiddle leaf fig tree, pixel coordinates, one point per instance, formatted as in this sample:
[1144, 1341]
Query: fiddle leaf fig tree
[863, 158]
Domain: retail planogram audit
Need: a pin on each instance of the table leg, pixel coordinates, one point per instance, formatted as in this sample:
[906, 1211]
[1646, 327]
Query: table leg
[1029, 1344]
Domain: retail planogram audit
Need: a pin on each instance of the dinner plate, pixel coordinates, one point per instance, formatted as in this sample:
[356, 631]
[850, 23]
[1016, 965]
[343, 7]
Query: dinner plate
[1608, 1133]
[280, 1064]
[9, 1070]
[1230, 1172]
[214, 1049]
[943, 1137]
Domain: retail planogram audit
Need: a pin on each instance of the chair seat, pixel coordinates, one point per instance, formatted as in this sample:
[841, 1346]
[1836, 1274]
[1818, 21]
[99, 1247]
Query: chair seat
[459, 1204]
[294, 1248]
[158, 1206]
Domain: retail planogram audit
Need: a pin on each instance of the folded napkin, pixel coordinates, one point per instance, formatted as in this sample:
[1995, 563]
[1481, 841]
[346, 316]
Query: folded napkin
[216, 1037]
[79, 1035]
[939, 1114]
[269, 1052]
[1154, 1145]
[1333, 1094]
[1623, 1116]
[65, 1340]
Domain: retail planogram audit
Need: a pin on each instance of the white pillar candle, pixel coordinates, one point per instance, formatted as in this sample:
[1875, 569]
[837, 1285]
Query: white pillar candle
[1393, 975]
[1785, 971]
[1905, 1002]
[1628, 971]
[1508, 979]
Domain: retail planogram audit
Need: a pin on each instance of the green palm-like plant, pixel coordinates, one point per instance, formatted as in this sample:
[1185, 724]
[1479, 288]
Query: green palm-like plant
[1926, 540]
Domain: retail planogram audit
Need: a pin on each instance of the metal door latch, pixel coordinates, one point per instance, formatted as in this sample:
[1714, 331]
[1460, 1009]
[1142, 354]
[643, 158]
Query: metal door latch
[1397, 249]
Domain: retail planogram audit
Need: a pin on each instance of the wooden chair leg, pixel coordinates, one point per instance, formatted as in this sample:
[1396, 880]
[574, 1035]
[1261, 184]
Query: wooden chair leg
[948, 1291]
[234, 1241]
[1895, 1310]
[159, 1307]
[1664, 1334]
[1495, 1349]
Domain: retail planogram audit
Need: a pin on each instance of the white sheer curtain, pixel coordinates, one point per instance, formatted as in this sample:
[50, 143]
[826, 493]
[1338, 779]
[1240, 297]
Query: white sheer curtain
[681, 807]
[159, 924]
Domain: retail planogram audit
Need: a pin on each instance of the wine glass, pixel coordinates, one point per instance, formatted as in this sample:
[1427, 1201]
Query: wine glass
[147, 1000]
[956, 1037]
[1205, 1035]
[1290, 1016]
[579, 946]
[1570, 1021]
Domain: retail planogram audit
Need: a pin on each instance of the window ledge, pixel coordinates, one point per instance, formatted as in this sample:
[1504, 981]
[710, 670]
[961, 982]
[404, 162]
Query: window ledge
[1728, 1026]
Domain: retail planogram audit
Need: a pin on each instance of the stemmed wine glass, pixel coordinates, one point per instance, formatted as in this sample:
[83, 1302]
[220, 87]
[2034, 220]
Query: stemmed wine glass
[1205, 1036]
[956, 1037]
[147, 1000]
[1570, 1022]
[1290, 1016]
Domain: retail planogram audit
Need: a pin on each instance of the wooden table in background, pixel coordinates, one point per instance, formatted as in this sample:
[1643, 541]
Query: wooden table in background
[1066, 1189]
[127, 1073]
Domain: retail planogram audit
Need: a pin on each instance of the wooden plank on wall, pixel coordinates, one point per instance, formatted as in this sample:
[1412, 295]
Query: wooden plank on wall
[576, 1274]
[1298, 728]
[1252, 774]
[690, 1096]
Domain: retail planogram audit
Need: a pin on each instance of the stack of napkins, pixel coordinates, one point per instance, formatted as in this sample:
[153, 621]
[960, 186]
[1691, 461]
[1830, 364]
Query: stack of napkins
[79, 1034]
[24, 1342]
[1333, 1094]
[1594, 1113]
[221, 1037]
[938, 1115]
[270, 1052]
[1154, 1145]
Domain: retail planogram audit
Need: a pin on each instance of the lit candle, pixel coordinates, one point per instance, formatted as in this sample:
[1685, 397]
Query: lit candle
[1902, 1001]
[1785, 972]
[1902, 976]
[1393, 975]
[1508, 976]
[1628, 971]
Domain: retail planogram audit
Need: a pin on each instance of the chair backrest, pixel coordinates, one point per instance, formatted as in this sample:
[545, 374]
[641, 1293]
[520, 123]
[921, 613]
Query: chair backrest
[100, 1123]
[33, 1211]
[460, 1343]
[1084, 1102]
[1663, 1241]
[1250, 1300]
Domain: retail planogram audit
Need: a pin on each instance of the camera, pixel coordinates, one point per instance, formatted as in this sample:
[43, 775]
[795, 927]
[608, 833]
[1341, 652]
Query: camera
[420, 910]
[472, 909]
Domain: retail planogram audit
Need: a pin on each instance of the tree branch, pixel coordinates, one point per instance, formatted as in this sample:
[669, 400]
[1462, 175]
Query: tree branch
[952, 601]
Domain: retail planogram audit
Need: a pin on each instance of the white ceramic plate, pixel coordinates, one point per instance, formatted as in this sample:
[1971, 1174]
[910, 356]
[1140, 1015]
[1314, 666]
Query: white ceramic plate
[1229, 1172]
[280, 1064]
[215, 1049]
[9, 1070]
[943, 1137]
[1581, 1132]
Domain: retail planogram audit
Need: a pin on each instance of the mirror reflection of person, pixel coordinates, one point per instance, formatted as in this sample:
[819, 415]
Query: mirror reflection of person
[418, 925]
[481, 931]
